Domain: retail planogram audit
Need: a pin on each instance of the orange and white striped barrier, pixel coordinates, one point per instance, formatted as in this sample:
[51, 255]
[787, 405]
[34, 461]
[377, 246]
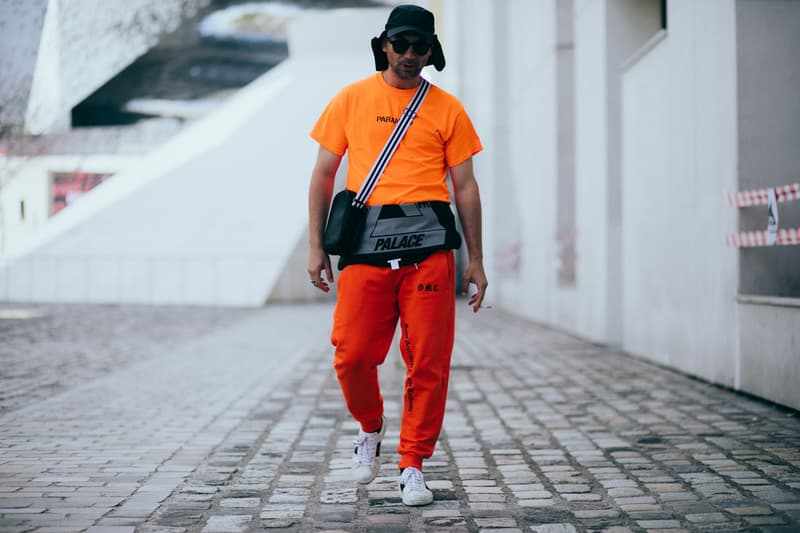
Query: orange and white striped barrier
[772, 236]
[752, 239]
[785, 193]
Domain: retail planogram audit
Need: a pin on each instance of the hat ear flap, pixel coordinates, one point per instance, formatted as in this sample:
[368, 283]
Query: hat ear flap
[437, 55]
[381, 61]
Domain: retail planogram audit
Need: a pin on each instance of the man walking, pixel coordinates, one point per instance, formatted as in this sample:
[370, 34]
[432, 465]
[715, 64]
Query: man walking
[418, 288]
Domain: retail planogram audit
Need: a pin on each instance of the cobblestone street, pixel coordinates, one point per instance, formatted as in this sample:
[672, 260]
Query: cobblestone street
[123, 419]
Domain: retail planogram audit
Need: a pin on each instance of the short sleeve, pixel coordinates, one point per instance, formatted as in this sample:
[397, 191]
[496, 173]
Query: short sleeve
[329, 131]
[463, 142]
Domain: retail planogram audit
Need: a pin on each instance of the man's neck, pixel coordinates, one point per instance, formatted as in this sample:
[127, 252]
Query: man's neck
[398, 83]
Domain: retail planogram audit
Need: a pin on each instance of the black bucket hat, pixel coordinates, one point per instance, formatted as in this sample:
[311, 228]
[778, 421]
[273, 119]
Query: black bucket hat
[409, 18]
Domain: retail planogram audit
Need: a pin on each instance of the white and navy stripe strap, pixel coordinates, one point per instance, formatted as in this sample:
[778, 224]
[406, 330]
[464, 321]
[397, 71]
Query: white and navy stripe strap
[391, 144]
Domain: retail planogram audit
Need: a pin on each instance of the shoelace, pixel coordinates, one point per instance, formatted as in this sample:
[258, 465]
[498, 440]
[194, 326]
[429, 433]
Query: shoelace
[414, 480]
[366, 448]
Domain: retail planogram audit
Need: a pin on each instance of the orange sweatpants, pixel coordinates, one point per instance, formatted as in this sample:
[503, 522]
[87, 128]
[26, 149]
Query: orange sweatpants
[370, 300]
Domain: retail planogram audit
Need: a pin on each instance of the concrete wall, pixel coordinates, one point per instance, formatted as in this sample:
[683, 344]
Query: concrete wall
[478, 37]
[482, 43]
[770, 344]
[630, 24]
[544, 118]
[51, 51]
[212, 216]
[607, 34]
[566, 223]
[591, 168]
[657, 118]
[679, 133]
[532, 158]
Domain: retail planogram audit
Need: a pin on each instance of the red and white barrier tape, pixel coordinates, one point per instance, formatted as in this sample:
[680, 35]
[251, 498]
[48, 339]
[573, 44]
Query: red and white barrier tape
[784, 193]
[750, 239]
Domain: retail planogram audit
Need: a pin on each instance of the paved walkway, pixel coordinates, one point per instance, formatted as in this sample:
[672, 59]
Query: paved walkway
[122, 419]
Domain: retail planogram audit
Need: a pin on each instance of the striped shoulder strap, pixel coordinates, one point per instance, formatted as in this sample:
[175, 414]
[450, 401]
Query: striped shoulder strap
[391, 145]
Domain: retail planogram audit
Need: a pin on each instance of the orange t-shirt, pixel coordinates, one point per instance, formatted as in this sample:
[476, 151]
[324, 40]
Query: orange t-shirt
[360, 119]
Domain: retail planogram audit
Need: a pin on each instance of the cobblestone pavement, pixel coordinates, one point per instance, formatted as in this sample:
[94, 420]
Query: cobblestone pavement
[47, 350]
[237, 424]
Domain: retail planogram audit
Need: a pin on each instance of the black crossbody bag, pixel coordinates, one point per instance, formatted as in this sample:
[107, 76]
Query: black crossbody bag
[386, 234]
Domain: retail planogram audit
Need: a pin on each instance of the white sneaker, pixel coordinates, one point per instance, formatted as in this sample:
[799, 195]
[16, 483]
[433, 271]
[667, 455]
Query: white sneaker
[413, 488]
[367, 454]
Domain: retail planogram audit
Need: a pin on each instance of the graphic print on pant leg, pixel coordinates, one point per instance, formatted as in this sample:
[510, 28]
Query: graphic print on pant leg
[409, 395]
[410, 366]
[409, 350]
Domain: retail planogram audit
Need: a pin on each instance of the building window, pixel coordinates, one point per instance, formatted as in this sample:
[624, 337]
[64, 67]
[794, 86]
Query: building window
[637, 26]
[68, 187]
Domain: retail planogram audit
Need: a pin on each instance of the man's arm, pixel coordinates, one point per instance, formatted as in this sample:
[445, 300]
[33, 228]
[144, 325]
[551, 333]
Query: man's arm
[320, 192]
[468, 204]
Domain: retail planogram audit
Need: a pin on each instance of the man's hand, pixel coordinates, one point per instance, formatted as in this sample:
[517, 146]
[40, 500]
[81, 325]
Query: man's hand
[320, 191]
[468, 203]
[475, 274]
[319, 262]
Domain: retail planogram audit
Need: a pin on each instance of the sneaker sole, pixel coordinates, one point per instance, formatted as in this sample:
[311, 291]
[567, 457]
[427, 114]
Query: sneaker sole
[417, 502]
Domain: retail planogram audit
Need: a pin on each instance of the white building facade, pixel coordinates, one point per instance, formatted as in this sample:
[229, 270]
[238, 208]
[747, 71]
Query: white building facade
[216, 215]
[613, 130]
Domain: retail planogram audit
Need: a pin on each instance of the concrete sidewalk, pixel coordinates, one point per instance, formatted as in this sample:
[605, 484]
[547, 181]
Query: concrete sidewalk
[121, 419]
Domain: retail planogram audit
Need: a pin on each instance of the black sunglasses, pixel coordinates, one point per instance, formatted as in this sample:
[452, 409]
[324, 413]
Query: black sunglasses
[400, 46]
